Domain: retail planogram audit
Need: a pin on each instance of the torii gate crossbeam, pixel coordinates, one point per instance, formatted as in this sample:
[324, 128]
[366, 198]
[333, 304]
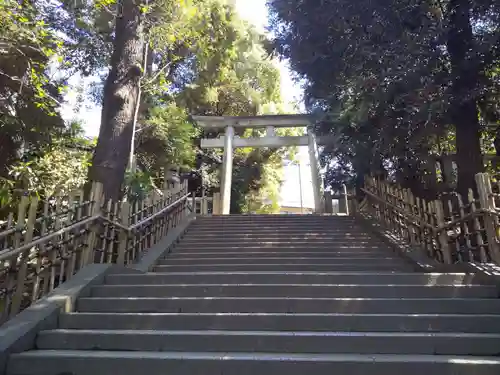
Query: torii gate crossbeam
[270, 122]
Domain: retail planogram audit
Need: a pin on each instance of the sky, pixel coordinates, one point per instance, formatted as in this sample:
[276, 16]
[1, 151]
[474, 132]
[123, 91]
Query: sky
[255, 12]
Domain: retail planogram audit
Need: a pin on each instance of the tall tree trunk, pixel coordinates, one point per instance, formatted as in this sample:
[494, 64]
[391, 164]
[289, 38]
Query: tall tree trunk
[121, 93]
[463, 110]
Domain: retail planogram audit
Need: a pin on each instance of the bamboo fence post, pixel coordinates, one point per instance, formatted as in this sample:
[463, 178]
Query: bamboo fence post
[95, 209]
[79, 215]
[39, 262]
[476, 229]
[106, 230]
[464, 228]
[124, 235]
[10, 220]
[487, 202]
[22, 272]
[71, 247]
[442, 235]
[112, 234]
[423, 228]
[456, 242]
[58, 225]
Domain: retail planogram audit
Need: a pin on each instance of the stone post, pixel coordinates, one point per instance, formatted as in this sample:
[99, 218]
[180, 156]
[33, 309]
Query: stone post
[315, 177]
[227, 171]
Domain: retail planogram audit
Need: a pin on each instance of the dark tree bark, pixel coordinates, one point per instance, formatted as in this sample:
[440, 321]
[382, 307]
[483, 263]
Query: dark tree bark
[463, 110]
[121, 93]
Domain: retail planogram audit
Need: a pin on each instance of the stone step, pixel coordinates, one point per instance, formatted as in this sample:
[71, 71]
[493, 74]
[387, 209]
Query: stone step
[274, 241]
[295, 290]
[412, 322]
[247, 244]
[272, 341]
[271, 254]
[390, 278]
[281, 220]
[275, 218]
[293, 305]
[272, 231]
[375, 261]
[45, 362]
[274, 222]
[265, 231]
[279, 247]
[277, 238]
[302, 227]
[319, 267]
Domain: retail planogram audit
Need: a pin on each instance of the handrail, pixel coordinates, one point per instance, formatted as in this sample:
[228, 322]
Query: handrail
[169, 207]
[15, 228]
[435, 229]
[9, 253]
[417, 218]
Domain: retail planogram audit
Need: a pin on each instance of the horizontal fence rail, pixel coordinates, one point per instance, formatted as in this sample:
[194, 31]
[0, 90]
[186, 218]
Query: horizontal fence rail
[449, 230]
[46, 243]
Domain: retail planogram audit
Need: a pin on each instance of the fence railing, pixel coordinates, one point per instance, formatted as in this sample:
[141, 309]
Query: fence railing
[450, 229]
[344, 202]
[46, 243]
[204, 205]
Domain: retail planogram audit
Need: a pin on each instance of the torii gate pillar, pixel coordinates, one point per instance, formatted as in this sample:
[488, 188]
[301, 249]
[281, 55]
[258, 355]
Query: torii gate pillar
[315, 170]
[269, 122]
[227, 171]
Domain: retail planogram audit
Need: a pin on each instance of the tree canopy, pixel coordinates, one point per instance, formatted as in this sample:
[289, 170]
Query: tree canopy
[159, 62]
[395, 80]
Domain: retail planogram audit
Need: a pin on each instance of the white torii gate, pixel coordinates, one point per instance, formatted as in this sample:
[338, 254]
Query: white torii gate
[270, 122]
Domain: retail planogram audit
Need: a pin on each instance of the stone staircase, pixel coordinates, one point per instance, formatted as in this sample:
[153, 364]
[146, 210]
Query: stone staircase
[276, 295]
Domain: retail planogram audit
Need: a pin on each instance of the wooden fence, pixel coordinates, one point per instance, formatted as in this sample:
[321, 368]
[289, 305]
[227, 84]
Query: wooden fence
[46, 243]
[448, 230]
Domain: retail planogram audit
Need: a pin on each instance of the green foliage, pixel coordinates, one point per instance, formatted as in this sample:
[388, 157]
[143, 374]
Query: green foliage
[166, 138]
[29, 96]
[138, 185]
[202, 59]
[55, 169]
[209, 62]
[380, 77]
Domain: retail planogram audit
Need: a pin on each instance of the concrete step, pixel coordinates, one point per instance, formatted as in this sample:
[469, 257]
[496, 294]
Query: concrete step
[334, 246]
[272, 254]
[50, 362]
[413, 322]
[341, 238]
[295, 290]
[375, 261]
[269, 242]
[319, 223]
[279, 247]
[272, 341]
[303, 267]
[306, 227]
[330, 218]
[390, 278]
[277, 220]
[268, 235]
[291, 305]
[301, 229]
[200, 231]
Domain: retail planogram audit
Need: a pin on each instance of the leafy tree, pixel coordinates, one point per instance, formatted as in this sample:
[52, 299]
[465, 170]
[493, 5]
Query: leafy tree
[393, 76]
[165, 60]
[29, 95]
[54, 169]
